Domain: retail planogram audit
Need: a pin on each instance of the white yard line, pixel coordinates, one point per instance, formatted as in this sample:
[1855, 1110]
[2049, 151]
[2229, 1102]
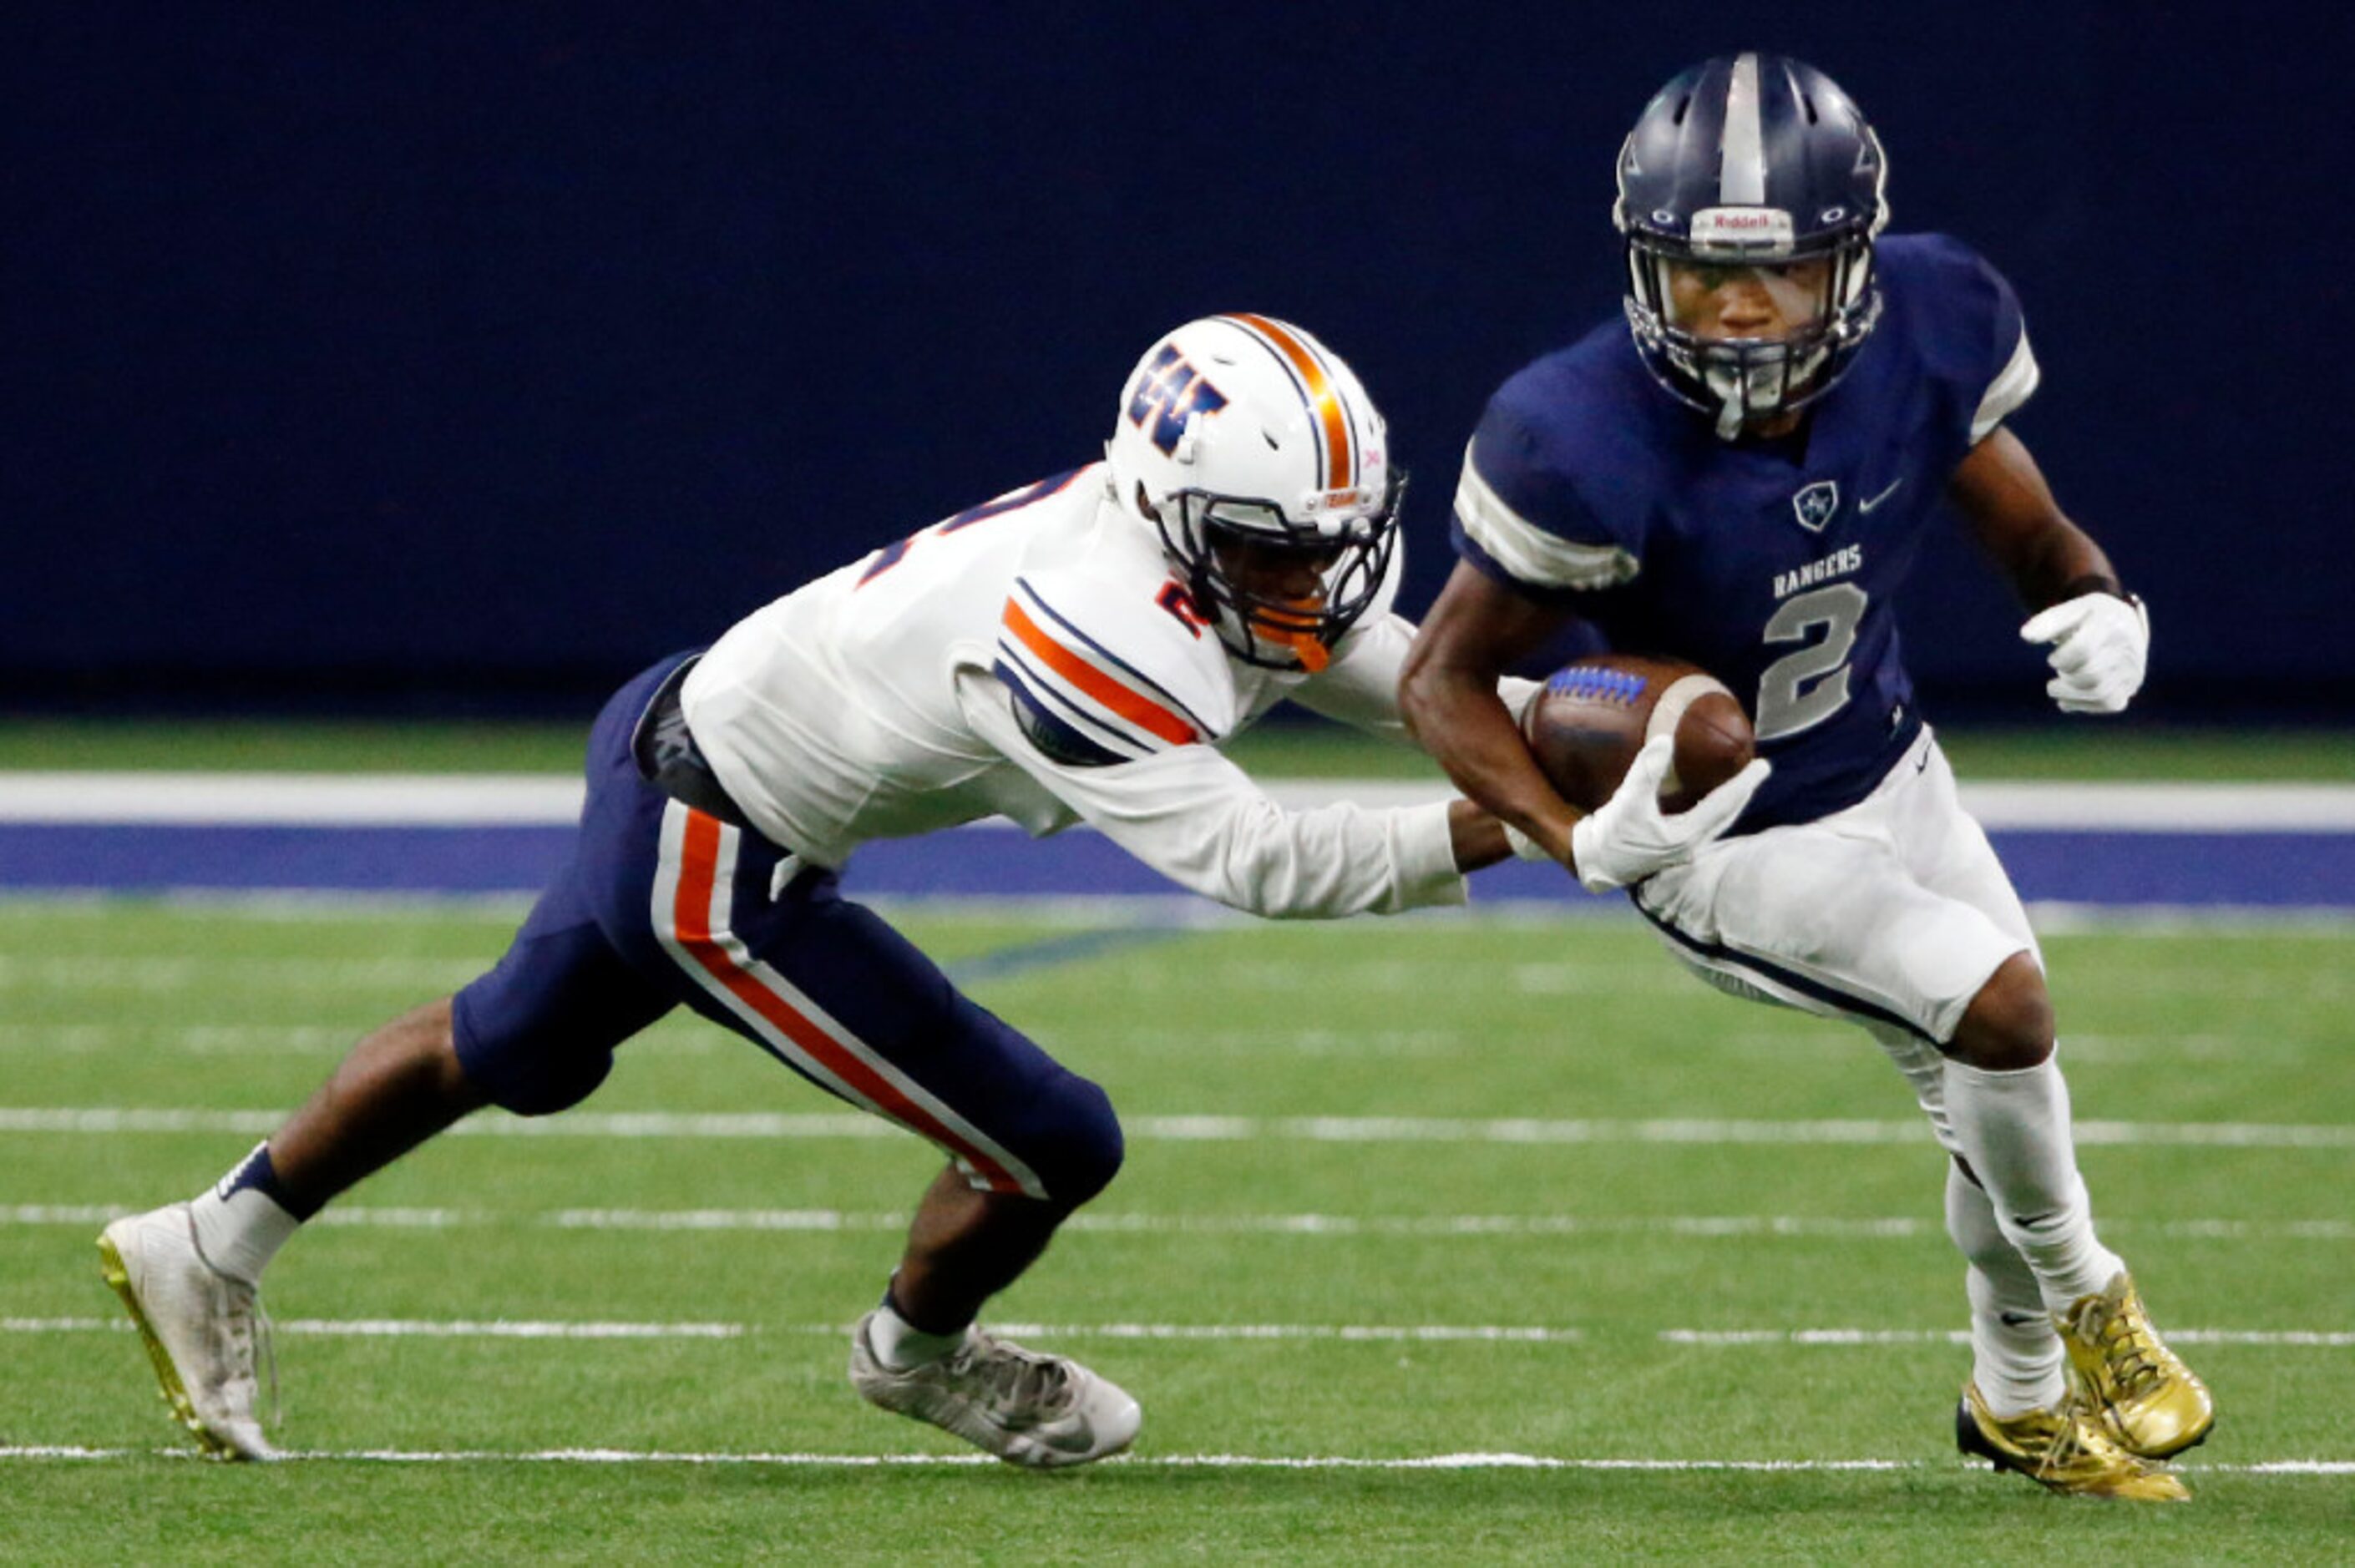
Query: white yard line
[235, 1039]
[304, 799]
[2287, 1339]
[1467, 1461]
[500, 1329]
[163, 972]
[196, 1040]
[1090, 911]
[112, 1119]
[554, 801]
[1789, 1227]
[432, 1329]
[1419, 1333]
[1381, 1333]
[388, 1217]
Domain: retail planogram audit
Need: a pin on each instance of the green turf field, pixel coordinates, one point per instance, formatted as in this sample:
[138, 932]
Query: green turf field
[2056, 749]
[1420, 1131]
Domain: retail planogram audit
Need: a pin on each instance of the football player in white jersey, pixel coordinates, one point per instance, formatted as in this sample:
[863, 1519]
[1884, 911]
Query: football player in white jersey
[1075, 651]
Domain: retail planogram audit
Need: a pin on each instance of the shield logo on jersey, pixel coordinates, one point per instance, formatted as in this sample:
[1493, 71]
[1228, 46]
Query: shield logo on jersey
[1814, 504]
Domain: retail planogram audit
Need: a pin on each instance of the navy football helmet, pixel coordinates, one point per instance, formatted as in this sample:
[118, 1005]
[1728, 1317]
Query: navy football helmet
[1752, 160]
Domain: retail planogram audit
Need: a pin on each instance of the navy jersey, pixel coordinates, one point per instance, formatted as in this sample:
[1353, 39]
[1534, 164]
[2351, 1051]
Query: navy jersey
[1773, 564]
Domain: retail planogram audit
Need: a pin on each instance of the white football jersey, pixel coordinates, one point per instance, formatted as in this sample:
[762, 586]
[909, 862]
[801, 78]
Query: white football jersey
[1034, 658]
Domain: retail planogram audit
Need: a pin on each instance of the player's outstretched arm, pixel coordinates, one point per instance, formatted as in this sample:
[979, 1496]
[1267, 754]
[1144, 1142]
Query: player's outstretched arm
[1447, 692]
[1192, 815]
[1361, 688]
[2099, 633]
[1476, 837]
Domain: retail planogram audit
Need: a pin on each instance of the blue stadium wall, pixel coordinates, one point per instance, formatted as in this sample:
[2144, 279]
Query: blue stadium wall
[460, 355]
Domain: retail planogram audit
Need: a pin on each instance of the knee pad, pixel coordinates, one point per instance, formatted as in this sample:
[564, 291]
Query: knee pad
[523, 1070]
[1080, 1149]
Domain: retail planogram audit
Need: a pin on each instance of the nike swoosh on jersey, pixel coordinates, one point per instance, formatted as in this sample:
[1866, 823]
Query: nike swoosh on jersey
[1894, 485]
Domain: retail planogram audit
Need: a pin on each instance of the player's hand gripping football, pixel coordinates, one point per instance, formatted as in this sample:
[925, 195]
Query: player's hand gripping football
[2100, 645]
[1629, 837]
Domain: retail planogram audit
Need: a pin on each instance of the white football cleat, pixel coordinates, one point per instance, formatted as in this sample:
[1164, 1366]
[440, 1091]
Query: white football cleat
[1028, 1409]
[202, 1327]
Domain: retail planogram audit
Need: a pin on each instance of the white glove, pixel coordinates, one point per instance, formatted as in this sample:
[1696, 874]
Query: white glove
[1629, 837]
[2100, 645]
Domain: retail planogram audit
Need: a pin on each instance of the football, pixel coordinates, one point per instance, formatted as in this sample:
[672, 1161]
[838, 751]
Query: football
[1593, 715]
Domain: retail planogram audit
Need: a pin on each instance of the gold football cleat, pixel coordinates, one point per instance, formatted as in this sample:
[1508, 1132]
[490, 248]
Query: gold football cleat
[2063, 1449]
[2140, 1391]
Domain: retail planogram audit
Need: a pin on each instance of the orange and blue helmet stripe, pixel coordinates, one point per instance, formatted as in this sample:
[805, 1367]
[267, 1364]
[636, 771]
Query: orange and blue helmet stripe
[1331, 419]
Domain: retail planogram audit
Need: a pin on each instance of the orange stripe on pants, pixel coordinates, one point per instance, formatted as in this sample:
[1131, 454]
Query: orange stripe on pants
[699, 862]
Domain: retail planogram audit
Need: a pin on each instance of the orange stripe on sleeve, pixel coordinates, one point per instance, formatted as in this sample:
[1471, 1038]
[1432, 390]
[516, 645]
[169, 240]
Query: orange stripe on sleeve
[1136, 708]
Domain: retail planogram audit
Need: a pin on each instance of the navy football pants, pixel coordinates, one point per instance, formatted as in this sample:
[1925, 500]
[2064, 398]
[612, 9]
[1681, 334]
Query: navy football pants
[659, 905]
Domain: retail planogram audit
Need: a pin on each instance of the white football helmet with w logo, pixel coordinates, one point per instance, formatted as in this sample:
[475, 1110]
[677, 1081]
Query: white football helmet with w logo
[1248, 445]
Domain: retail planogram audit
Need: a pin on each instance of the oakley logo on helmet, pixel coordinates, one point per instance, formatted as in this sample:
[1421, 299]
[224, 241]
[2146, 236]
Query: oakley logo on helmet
[1169, 391]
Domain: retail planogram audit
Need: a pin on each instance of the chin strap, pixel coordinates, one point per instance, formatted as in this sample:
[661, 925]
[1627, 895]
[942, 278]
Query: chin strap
[1304, 646]
[1729, 420]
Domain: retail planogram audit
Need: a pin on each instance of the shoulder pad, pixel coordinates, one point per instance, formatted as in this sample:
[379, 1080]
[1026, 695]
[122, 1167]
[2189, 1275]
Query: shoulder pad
[1964, 322]
[1542, 500]
[1103, 671]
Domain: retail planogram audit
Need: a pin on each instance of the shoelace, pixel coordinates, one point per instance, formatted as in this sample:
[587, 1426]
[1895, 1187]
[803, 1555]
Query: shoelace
[2068, 1446]
[1015, 1378]
[2131, 1352]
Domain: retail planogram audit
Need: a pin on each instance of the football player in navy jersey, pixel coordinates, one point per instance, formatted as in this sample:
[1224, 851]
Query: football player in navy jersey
[1741, 474]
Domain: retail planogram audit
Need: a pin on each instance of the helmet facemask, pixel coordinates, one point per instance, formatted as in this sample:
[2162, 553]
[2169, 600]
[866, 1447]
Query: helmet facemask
[1828, 310]
[1246, 563]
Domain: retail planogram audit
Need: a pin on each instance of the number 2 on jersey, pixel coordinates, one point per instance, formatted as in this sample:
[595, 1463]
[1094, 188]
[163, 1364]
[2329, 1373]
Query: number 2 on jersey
[1803, 688]
[1014, 499]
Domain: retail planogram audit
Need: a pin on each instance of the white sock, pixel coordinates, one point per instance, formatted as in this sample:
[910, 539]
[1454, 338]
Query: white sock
[2014, 1130]
[240, 1227]
[901, 1346]
[2016, 1356]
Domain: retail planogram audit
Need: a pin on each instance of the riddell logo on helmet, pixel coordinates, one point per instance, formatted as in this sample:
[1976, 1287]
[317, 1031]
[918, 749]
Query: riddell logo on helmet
[1749, 227]
[1339, 501]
